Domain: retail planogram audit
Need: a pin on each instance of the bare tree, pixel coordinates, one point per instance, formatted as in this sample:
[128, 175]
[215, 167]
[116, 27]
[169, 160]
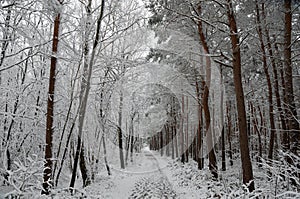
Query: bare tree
[242, 122]
[84, 93]
[211, 156]
[293, 124]
[266, 70]
[47, 183]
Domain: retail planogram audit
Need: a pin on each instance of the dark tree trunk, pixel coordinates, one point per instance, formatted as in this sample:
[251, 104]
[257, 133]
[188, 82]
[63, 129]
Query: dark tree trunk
[211, 155]
[242, 123]
[47, 181]
[120, 133]
[105, 156]
[277, 92]
[187, 132]
[256, 131]
[199, 130]
[229, 123]
[83, 168]
[223, 149]
[293, 124]
[270, 92]
[132, 142]
[275, 73]
[182, 132]
[161, 143]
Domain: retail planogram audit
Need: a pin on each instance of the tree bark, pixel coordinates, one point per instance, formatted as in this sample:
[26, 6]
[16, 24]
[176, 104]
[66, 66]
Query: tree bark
[105, 155]
[187, 132]
[5, 38]
[293, 125]
[223, 149]
[199, 129]
[269, 84]
[229, 123]
[182, 132]
[285, 140]
[242, 123]
[86, 179]
[85, 88]
[211, 155]
[120, 133]
[47, 181]
[275, 73]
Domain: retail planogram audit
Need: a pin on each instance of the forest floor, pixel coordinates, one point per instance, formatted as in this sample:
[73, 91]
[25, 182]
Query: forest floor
[145, 177]
[150, 175]
[153, 176]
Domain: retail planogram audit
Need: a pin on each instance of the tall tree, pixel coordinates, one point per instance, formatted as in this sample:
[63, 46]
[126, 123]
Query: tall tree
[275, 73]
[84, 93]
[242, 122]
[211, 156]
[120, 133]
[47, 183]
[266, 70]
[293, 124]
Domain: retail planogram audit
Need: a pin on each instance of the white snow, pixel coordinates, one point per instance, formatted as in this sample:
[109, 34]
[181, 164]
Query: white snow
[153, 176]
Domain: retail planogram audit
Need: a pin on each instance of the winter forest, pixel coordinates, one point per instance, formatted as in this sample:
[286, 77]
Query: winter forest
[149, 99]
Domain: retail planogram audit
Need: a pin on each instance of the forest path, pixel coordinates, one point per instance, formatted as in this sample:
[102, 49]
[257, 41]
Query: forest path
[155, 184]
[145, 177]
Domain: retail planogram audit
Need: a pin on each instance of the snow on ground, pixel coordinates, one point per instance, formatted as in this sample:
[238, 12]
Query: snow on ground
[150, 175]
[143, 178]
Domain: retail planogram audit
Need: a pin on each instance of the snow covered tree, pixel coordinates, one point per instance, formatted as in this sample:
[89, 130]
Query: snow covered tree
[50, 107]
[242, 122]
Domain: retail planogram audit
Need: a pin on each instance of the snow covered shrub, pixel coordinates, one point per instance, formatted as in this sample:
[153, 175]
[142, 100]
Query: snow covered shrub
[26, 178]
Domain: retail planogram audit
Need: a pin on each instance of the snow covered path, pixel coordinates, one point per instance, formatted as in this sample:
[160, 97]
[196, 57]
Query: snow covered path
[157, 185]
[145, 177]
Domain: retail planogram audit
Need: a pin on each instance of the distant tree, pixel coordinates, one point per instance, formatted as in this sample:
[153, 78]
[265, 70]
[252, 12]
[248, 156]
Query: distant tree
[269, 84]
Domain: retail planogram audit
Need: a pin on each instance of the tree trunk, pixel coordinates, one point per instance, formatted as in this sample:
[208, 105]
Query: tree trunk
[85, 87]
[132, 142]
[293, 124]
[278, 100]
[223, 149]
[242, 123]
[275, 73]
[229, 123]
[65, 153]
[256, 131]
[182, 132]
[187, 132]
[127, 142]
[167, 131]
[105, 155]
[270, 92]
[86, 179]
[222, 121]
[211, 155]
[161, 143]
[120, 133]
[5, 39]
[47, 181]
[172, 140]
[199, 129]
